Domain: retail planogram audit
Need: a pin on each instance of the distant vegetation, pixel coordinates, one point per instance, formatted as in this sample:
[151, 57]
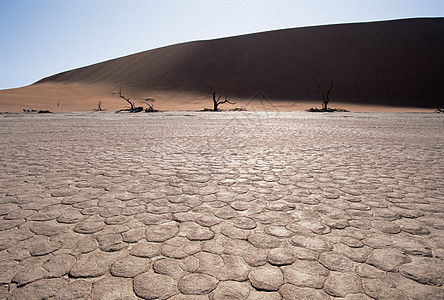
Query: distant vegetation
[437, 109]
[217, 102]
[99, 106]
[135, 109]
[325, 97]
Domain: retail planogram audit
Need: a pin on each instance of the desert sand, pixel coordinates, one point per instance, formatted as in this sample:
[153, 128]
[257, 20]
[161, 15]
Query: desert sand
[373, 65]
[79, 97]
[201, 205]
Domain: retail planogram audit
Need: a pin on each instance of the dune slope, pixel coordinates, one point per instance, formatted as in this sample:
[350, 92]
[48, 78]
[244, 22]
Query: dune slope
[398, 63]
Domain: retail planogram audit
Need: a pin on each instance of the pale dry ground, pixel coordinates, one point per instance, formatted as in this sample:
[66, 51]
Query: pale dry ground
[187, 205]
[81, 97]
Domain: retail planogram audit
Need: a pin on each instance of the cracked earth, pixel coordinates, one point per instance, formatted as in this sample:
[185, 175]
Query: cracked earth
[244, 205]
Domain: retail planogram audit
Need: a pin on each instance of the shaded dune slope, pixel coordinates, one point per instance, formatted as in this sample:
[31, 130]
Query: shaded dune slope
[395, 63]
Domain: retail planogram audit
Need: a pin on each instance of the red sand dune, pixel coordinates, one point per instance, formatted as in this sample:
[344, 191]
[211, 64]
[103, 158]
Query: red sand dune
[391, 63]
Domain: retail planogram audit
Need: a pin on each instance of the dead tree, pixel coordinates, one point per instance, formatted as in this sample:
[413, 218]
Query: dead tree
[150, 103]
[437, 109]
[324, 96]
[99, 106]
[217, 102]
[133, 107]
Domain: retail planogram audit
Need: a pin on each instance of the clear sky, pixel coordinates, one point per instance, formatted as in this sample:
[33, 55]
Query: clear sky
[39, 38]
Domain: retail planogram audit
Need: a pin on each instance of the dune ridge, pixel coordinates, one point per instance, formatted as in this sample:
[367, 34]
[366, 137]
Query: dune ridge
[393, 63]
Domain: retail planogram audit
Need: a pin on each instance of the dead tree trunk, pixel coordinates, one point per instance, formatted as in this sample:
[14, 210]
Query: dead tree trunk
[217, 102]
[132, 106]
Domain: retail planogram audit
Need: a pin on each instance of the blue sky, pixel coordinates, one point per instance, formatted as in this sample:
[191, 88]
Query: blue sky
[39, 38]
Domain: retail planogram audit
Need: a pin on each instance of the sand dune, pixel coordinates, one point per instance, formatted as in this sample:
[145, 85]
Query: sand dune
[392, 63]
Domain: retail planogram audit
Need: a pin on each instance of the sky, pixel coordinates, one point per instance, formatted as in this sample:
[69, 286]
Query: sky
[39, 38]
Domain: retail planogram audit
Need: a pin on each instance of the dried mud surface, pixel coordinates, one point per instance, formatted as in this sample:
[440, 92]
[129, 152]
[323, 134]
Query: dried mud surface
[244, 205]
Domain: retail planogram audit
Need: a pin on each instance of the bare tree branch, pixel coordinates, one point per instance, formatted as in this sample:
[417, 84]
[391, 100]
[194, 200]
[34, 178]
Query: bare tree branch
[127, 100]
[150, 103]
[133, 107]
[329, 90]
[320, 92]
[217, 102]
[226, 101]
